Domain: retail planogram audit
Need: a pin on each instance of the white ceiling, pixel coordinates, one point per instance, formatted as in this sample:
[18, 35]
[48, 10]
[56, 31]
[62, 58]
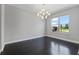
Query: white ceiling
[50, 7]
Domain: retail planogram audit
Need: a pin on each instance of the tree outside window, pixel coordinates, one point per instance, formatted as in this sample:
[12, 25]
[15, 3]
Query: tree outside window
[60, 24]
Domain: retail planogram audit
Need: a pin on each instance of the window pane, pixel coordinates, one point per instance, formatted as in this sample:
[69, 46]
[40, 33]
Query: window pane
[54, 21]
[64, 23]
[54, 24]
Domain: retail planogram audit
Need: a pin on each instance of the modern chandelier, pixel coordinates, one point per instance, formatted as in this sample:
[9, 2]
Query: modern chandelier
[43, 13]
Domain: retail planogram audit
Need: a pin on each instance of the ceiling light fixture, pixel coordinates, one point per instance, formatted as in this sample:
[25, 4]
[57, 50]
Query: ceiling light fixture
[43, 13]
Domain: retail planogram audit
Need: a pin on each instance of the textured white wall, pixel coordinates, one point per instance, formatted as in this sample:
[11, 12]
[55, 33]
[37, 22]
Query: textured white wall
[73, 35]
[21, 24]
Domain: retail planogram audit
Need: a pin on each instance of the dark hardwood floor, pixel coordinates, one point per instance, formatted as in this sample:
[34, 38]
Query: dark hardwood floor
[41, 46]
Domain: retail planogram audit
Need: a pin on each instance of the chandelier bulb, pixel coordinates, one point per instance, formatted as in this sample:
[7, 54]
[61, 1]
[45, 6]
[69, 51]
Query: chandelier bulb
[43, 14]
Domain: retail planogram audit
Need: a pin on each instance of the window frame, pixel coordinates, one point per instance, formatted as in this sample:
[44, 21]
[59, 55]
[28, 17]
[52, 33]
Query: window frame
[60, 24]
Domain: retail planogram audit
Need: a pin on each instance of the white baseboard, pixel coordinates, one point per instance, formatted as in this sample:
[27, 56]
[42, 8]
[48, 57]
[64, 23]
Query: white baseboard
[63, 39]
[23, 39]
[38, 37]
[2, 49]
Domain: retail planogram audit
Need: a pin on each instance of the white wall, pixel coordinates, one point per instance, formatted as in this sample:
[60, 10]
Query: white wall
[21, 24]
[0, 27]
[73, 35]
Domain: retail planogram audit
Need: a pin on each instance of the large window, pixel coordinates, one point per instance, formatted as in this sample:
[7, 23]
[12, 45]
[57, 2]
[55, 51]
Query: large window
[60, 24]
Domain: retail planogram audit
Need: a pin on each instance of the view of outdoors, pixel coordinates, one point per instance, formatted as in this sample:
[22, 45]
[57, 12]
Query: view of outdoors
[64, 23]
[60, 24]
[54, 23]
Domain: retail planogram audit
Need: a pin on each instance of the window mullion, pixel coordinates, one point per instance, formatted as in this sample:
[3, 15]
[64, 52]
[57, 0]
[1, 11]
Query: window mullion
[58, 24]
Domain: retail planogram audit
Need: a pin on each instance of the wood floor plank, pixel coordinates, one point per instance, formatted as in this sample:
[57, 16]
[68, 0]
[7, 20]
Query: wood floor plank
[41, 46]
